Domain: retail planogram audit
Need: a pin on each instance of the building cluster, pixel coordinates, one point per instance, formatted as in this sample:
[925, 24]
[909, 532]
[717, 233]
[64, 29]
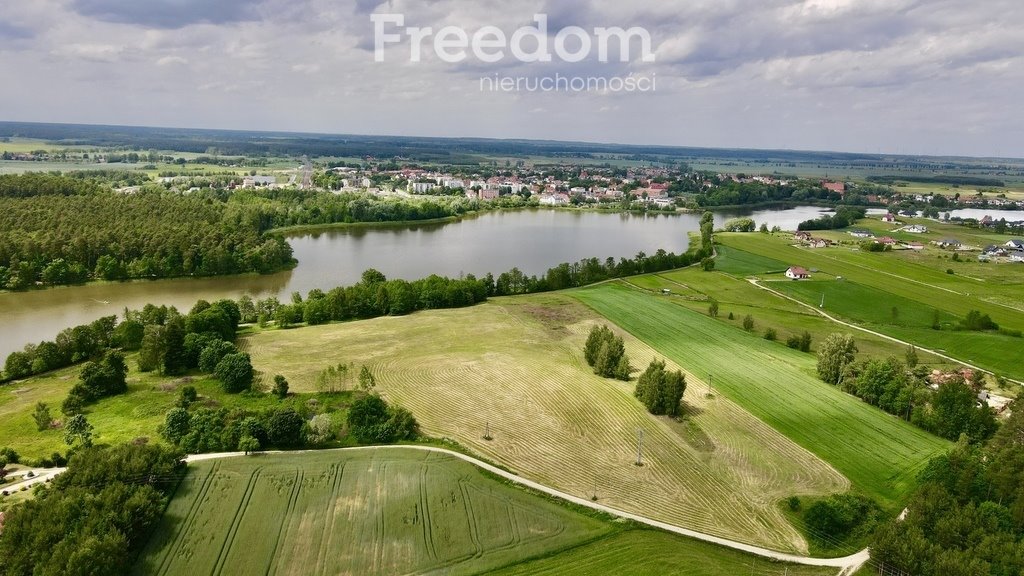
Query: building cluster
[549, 187]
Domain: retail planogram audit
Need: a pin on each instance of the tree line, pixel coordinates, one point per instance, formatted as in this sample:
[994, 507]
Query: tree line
[901, 388]
[160, 332]
[59, 230]
[843, 217]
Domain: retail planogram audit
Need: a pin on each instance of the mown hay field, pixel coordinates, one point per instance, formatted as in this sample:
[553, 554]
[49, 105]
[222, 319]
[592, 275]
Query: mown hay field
[879, 453]
[515, 366]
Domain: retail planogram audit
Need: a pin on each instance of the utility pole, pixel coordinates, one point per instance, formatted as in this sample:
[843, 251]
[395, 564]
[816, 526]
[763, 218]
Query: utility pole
[639, 446]
[822, 305]
[487, 431]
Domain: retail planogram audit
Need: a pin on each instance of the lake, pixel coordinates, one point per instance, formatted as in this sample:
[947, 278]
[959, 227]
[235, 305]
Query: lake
[979, 213]
[532, 240]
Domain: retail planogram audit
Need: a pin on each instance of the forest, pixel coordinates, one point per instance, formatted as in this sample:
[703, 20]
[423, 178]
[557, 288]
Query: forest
[58, 230]
[968, 515]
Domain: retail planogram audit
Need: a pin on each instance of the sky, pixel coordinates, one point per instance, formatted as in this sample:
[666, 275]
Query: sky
[942, 77]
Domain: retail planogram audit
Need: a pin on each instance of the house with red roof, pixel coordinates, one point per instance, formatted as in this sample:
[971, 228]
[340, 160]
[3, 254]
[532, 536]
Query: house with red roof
[797, 273]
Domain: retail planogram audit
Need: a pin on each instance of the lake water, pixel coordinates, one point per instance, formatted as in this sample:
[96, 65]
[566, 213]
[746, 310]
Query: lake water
[979, 213]
[532, 240]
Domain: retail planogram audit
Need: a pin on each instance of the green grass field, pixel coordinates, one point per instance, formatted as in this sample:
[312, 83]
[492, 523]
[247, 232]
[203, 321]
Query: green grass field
[515, 365]
[740, 263]
[879, 453]
[122, 418]
[395, 511]
[916, 285]
[739, 297]
[920, 278]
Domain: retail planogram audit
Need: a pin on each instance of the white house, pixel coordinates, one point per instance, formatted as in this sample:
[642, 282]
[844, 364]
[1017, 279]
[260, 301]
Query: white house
[554, 200]
[797, 273]
[889, 218]
[916, 229]
[1015, 244]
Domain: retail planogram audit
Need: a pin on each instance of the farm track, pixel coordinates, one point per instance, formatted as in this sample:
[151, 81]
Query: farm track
[893, 339]
[554, 422]
[850, 563]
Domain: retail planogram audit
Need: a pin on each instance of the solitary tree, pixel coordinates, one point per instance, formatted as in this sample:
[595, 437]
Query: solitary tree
[248, 444]
[834, 355]
[912, 356]
[366, 379]
[42, 416]
[748, 322]
[78, 429]
[713, 309]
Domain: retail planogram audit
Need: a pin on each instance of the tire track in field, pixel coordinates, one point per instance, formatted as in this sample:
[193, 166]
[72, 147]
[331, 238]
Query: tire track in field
[428, 532]
[474, 529]
[286, 518]
[229, 540]
[327, 536]
[380, 525]
[190, 518]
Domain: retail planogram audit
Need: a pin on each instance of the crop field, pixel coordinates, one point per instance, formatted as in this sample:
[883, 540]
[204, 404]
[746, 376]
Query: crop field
[880, 454]
[354, 512]
[643, 552]
[395, 511]
[863, 303]
[515, 366]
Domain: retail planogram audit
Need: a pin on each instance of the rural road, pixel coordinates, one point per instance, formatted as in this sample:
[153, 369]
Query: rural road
[846, 565]
[757, 283]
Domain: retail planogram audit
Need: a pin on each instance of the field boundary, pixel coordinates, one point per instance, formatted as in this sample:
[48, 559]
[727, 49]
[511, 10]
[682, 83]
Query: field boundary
[756, 282]
[849, 563]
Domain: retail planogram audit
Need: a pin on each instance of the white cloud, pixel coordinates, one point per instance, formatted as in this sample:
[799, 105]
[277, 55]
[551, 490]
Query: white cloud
[838, 74]
[172, 61]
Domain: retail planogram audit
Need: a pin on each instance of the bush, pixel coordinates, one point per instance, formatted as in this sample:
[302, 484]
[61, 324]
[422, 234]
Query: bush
[770, 334]
[9, 455]
[280, 387]
[840, 515]
[284, 428]
[187, 396]
[371, 420]
[748, 322]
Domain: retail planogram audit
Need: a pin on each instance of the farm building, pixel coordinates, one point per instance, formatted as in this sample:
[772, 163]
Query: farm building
[861, 234]
[797, 273]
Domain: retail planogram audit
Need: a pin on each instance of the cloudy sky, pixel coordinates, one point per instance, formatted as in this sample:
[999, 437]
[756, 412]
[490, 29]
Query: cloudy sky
[892, 76]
